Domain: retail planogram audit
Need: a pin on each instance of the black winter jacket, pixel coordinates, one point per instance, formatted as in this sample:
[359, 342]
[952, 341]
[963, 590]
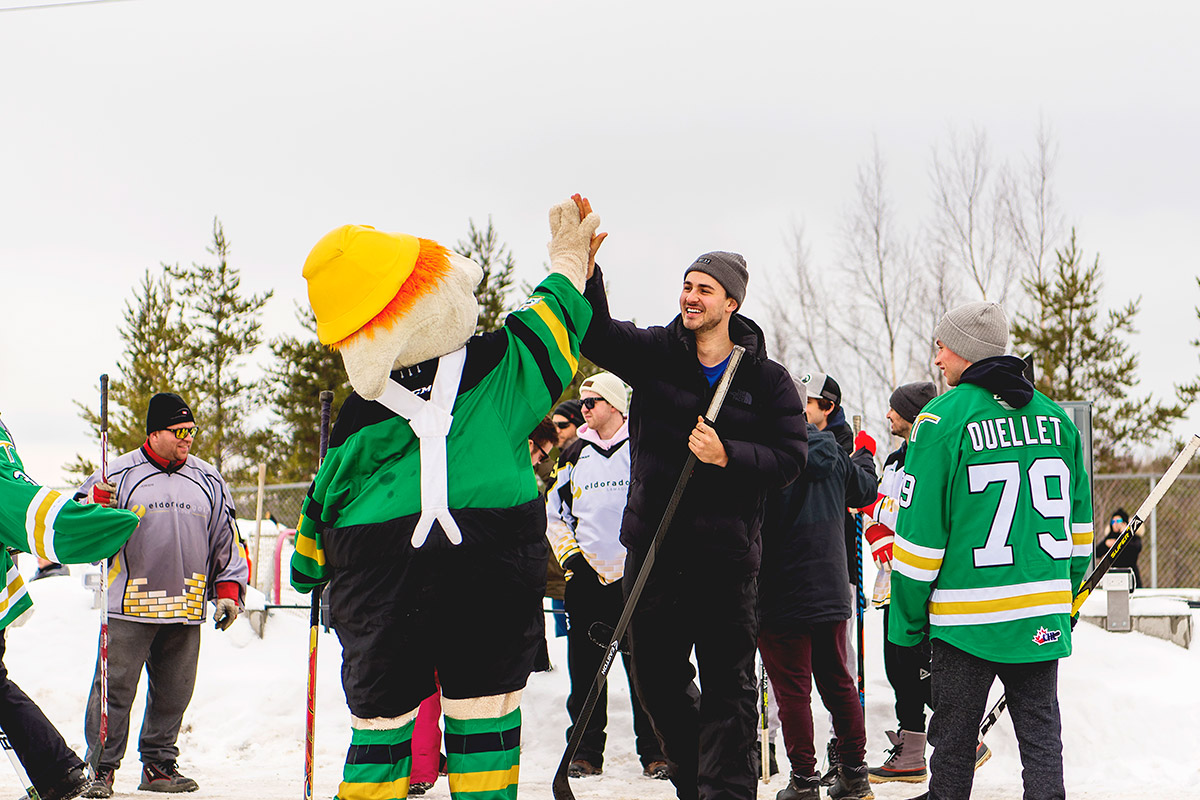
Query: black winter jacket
[804, 550]
[761, 424]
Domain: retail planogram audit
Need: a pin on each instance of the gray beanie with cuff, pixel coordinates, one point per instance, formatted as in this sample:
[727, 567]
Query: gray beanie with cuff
[974, 331]
[729, 269]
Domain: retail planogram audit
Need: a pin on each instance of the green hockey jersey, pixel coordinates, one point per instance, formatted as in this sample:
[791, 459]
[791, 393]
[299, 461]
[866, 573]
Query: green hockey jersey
[994, 533]
[511, 378]
[49, 524]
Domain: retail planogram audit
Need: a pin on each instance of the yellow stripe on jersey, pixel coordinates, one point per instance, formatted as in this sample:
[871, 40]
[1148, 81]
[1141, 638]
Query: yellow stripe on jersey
[557, 330]
[970, 608]
[307, 547]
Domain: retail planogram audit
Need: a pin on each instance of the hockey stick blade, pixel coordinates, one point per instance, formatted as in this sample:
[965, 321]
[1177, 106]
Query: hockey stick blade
[561, 786]
[1102, 567]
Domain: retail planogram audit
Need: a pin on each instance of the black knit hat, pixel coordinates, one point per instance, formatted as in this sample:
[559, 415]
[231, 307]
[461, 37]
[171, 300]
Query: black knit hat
[166, 409]
[572, 410]
[909, 399]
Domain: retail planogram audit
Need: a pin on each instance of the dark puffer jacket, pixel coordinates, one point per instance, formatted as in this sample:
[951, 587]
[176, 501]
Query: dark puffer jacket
[762, 426]
[804, 550]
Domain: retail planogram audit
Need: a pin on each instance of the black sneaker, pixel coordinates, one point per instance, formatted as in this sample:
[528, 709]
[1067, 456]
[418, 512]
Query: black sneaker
[658, 770]
[70, 785]
[165, 777]
[419, 788]
[101, 784]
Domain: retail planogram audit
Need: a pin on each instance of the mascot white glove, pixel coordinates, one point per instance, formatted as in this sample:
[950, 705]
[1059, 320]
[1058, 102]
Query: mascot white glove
[570, 241]
[225, 614]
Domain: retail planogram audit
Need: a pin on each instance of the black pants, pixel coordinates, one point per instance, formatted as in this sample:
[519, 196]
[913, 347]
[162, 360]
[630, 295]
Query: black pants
[960, 693]
[904, 666]
[169, 653]
[588, 601]
[708, 739]
[35, 740]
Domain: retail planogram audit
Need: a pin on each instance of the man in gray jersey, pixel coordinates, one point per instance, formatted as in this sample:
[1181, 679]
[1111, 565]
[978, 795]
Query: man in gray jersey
[184, 552]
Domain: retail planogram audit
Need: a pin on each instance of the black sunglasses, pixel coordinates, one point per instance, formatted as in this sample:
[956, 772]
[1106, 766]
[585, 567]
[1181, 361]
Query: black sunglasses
[183, 433]
[590, 402]
[562, 426]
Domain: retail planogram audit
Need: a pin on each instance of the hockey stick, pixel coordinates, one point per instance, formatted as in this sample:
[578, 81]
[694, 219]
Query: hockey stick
[561, 786]
[861, 603]
[314, 622]
[102, 736]
[1093, 579]
[30, 792]
[764, 732]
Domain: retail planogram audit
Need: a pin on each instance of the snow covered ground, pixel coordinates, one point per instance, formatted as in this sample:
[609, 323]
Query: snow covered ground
[1131, 712]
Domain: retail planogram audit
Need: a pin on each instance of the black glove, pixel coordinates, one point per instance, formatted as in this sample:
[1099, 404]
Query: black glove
[579, 567]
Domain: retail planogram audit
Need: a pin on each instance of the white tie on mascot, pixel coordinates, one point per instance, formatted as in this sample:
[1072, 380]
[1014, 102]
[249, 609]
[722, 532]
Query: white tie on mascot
[425, 517]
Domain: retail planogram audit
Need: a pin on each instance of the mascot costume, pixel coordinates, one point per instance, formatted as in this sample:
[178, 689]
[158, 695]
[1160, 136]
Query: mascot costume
[425, 517]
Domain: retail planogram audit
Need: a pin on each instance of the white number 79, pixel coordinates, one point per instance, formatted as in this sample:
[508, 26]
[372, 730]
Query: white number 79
[997, 552]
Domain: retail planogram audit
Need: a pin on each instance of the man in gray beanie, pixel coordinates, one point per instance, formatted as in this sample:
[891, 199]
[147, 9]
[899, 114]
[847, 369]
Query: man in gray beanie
[702, 593]
[993, 539]
[969, 333]
[729, 270]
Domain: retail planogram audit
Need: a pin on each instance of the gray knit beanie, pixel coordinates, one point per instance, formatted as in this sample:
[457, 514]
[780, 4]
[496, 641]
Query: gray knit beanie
[974, 331]
[909, 399]
[728, 268]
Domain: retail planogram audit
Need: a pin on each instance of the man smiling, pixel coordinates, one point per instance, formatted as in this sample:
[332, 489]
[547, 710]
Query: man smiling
[702, 593]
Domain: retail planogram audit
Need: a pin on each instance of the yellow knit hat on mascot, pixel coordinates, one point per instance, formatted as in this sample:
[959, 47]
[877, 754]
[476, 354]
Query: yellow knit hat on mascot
[353, 272]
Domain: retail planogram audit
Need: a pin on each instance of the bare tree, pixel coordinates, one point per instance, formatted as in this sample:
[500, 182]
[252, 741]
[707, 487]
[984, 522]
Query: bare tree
[798, 310]
[970, 223]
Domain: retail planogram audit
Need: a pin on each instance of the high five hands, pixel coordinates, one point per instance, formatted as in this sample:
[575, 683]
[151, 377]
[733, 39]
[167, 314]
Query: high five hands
[585, 208]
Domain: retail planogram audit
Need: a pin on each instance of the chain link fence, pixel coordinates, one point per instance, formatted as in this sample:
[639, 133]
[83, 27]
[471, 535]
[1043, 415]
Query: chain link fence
[1170, 537]
[281, 510]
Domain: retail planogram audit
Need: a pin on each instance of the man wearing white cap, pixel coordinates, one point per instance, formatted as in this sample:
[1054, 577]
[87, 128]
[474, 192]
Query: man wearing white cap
[584, 524]
[993, 539]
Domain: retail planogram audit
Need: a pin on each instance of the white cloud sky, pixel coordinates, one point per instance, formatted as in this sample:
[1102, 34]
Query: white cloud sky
[125, 127]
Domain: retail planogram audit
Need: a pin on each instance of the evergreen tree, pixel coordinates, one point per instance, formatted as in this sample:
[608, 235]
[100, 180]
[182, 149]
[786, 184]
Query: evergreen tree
[485, 249]
[154, 359]
[1080, 353]
[300, 370]
[225, 329]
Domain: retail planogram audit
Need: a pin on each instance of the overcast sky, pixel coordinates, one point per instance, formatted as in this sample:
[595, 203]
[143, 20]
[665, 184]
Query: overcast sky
[126, 126]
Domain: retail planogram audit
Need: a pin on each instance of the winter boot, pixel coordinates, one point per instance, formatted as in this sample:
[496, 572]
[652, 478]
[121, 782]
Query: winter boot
[852, 783]
[906, 760]
[102, 783]
[801, 788]
[72, 784]
[982, 754]
[832, 761]
[165, 777]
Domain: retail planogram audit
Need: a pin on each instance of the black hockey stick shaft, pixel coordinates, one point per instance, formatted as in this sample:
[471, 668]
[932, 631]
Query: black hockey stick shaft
[562, 786]
[314, 622]
[1102, 566]
[861, 597]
